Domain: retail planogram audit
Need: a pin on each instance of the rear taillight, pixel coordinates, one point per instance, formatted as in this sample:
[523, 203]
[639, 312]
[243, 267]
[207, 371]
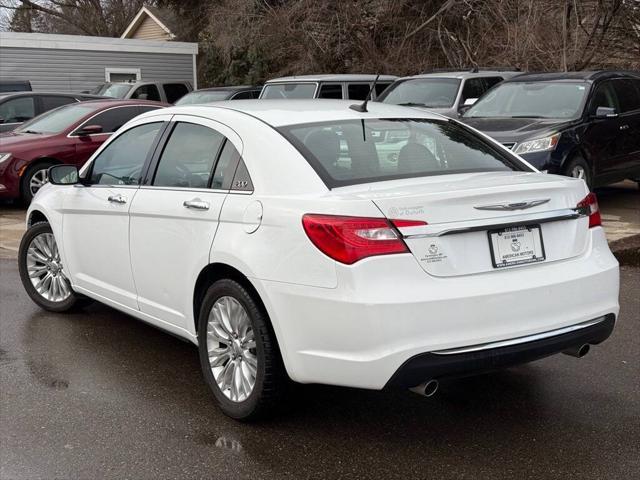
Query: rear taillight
[589, 206]
[349, 239]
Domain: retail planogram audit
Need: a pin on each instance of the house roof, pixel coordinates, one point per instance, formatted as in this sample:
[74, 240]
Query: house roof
[164, 18]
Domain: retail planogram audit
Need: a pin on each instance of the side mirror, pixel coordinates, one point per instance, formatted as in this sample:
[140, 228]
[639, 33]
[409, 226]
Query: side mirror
[605, 112]
[63, 175]
[90, 130]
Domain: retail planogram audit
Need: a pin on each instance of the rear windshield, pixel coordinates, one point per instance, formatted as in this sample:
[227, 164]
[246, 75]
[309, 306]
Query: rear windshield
[361, 151]
[424, 92]
[204, 97]
[289, 90]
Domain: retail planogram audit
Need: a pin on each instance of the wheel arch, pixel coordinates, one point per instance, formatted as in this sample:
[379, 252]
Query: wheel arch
[34, 163]
[36, 216]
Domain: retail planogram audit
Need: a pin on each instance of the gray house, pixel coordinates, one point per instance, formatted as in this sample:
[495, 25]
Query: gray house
[73, 63]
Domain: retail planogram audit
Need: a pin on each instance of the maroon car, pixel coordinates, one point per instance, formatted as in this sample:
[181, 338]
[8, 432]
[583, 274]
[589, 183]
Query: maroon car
[68, 134]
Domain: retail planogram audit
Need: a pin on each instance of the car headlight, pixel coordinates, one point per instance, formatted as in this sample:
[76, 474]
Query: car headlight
[4, 157]
[538, 144]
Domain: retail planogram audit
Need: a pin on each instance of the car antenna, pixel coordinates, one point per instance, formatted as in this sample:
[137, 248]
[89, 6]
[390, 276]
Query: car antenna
[363, 107]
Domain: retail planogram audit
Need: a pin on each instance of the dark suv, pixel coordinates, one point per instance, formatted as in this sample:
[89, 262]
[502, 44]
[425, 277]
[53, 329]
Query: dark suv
[580, 124]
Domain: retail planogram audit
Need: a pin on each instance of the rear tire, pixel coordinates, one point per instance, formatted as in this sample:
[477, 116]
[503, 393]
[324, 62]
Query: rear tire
[579, 168]
[42, 272]
[33, 179]
[239, 354]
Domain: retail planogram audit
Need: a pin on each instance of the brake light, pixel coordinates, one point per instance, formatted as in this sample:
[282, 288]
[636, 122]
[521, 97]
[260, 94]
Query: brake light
[589, 206]
[349, 239]
[408, 223]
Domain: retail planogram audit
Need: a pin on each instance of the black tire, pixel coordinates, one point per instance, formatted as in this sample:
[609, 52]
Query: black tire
[576, 164]
[271, 378]
[52, 306]
[25, 189]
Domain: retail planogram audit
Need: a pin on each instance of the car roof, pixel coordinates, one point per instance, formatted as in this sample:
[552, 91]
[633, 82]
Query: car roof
[464, 74]
[279, 112]
[63, 94]
[230, 88]
[106, 102]
[347, 77]
[584, 75]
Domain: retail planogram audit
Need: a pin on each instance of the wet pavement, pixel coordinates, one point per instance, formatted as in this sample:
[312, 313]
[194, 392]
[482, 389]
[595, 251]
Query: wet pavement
[97, 394]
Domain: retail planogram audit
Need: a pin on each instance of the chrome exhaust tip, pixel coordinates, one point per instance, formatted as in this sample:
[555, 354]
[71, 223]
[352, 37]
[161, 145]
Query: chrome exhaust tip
[426, 389]
[579, 351]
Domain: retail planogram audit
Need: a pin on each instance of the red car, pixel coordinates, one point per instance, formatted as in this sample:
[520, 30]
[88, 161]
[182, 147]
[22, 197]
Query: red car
[69, 134]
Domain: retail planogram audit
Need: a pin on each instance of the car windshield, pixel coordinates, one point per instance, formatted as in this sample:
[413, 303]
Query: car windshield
[349, 152]
[58, 120]
[114, 90]
[532, 100]
[289, 90]
[426, 92]
[204, 97]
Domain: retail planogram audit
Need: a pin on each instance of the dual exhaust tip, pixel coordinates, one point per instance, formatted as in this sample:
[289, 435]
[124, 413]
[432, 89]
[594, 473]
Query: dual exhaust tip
[430, 387]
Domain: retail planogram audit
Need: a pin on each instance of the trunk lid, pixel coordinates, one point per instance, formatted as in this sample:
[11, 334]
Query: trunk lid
[461, 210]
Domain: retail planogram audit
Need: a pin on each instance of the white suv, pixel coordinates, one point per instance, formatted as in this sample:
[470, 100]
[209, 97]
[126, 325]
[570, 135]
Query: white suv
[274, 236]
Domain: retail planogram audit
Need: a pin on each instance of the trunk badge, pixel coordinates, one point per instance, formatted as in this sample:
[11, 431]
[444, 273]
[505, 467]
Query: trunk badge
[513, 206]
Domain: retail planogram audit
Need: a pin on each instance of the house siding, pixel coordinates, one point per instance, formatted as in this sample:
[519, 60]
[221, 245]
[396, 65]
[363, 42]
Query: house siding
[150, 30]
[78, 70]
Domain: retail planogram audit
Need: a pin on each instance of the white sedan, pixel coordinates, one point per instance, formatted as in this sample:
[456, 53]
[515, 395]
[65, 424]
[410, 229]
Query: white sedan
[308, 241]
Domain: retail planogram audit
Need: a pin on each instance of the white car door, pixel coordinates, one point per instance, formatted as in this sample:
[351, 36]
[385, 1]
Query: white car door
[174, 216]
[95, 227]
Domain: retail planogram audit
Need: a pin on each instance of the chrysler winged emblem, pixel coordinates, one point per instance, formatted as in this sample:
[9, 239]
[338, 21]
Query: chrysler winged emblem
[513, 206]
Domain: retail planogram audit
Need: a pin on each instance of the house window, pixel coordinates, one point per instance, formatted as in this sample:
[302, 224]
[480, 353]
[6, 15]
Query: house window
[122, 74]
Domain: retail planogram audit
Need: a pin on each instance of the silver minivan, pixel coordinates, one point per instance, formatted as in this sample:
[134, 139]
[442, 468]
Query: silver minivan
[343, 86]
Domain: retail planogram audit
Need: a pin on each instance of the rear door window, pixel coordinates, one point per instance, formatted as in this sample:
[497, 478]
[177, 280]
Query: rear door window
[351, 151]
[330, 90]
[49, 102]
[175, 91]
[17, 110]
[604, 96]
[147, 92]
[188, 157]
[358, 91]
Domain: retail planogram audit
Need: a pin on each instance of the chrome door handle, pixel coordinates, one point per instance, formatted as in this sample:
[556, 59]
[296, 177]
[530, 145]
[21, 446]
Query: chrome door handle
[624, 127]
[117, 199]
[196, 204]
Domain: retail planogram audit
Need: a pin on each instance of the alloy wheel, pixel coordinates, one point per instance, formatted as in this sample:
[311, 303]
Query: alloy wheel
[231, 348]
[45, 269]
[38, 179]
[578, 171]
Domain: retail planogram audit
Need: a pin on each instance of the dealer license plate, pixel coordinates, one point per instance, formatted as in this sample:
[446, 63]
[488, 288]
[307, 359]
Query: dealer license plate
[516, 246]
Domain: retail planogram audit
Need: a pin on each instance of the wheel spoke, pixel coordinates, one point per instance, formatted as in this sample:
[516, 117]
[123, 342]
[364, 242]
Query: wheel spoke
[230, 339]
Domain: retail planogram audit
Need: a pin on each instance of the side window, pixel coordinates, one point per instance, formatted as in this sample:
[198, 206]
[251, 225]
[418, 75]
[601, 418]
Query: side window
[628, 96]
[330, 90]
[491, 81]
[604, 96]
[242, 95]
[358, 91]
[188, 156]
[54, 101]
[146, 92]
[174, 91]
[473, 88]
[17, 110]
[256, 93]
[381, 87]
[112, 119]
[122, 161]
[225, 166]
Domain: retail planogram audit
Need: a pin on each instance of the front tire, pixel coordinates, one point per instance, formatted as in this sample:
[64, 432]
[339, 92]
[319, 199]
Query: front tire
[239, 354]
[42, 272]
[579, 168]
[33, 180]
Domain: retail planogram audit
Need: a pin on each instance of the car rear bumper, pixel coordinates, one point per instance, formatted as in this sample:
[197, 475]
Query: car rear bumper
[486, 358]
[387, 311]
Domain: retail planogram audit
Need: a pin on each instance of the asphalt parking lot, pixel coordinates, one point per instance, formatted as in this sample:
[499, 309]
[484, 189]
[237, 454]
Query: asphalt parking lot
[97, 394]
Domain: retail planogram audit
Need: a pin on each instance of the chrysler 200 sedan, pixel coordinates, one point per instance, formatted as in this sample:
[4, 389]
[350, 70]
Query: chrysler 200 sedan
[274, 236]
